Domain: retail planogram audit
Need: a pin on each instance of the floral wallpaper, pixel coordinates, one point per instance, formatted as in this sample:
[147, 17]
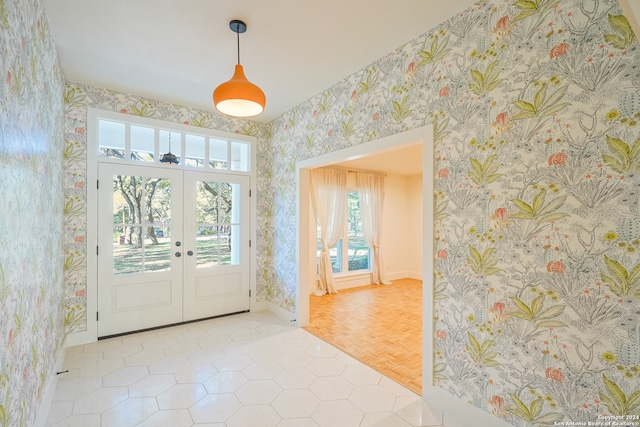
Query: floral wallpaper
[535, 105]
[31, 255]
[77, 98]
[536, 110]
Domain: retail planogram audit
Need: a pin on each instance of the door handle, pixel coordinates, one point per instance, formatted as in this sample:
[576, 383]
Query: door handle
[190, 253]
[178, 243]
[178, 254]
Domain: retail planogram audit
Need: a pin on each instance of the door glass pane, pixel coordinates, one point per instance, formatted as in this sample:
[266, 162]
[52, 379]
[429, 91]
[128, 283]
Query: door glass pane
[207, 247]
[225, 203]
[121, 250]
[170, 142]
[142, 220]
[142, 143]
[218, 153]
[240, 156]
[111, 139]
[157, 249]
[218, 228]
[127, 253]
[224, 245]
[194, 151]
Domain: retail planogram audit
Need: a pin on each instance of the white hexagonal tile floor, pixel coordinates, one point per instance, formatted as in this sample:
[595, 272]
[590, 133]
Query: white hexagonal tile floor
[245, 370]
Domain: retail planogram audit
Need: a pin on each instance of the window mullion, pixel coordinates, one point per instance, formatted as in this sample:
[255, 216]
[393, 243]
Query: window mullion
[156, 145]
[127, 141]
[207, 162]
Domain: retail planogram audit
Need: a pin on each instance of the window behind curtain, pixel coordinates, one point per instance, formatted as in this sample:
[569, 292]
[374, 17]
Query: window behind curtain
[357, 256]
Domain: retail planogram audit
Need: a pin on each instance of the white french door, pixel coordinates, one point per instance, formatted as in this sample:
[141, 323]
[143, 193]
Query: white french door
[216, 233]
[173, 246]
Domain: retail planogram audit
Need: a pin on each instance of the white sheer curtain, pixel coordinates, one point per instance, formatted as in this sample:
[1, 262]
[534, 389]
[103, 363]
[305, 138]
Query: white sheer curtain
[329, 196]
[371, 191]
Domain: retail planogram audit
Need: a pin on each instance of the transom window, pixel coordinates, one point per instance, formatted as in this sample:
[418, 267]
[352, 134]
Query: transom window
[125, 139]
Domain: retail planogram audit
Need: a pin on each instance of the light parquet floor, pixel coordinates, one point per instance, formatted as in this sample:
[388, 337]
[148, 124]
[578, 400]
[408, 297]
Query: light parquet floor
[379, 325]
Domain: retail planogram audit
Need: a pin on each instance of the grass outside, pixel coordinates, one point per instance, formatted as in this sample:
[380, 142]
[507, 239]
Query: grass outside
[127, 259]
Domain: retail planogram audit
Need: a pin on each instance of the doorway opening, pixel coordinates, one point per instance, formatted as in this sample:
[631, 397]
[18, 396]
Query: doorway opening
[357, 157]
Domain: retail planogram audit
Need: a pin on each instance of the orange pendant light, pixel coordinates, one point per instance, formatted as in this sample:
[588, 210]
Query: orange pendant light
[239, 97]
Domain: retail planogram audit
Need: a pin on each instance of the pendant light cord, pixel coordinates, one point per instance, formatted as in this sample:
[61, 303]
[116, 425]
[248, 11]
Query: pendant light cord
[238, 37]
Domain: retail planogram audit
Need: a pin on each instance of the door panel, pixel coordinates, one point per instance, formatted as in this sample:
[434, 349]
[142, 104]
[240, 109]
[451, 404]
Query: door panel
[139, 272]
[217, 236]
[138, 296]
[218, 286]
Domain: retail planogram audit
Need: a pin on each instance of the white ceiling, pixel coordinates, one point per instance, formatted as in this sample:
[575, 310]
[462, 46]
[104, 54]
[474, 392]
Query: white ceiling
[179, 51]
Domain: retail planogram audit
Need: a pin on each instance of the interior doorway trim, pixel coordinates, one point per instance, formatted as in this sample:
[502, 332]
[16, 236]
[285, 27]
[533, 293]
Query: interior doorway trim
[306, 264]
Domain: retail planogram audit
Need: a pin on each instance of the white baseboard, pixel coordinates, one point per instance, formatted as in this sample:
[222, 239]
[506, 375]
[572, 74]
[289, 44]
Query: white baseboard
[404, 275]
[364, 279]
[259, 305]
[346, 282]
[461, 411]
[352, 281]
[281, 312]
[80, 338]
[50, 389]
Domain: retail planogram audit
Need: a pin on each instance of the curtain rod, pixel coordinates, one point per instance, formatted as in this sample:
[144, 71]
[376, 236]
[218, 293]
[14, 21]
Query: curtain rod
[365, 171]
[356, 170]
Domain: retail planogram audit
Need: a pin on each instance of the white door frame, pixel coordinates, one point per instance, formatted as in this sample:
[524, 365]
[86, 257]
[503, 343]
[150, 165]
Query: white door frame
[93, 114]
[306, 262]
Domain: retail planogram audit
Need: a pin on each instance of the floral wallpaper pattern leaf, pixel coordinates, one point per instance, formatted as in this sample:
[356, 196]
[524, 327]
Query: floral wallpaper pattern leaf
[532, 413]
[31, 223]
[624, 158]
[487, 81]
[616, 400]
[621, 283]
[484, 173]
[620, 25]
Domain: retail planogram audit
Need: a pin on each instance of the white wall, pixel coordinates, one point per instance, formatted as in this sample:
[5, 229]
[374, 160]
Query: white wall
[402, 228]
